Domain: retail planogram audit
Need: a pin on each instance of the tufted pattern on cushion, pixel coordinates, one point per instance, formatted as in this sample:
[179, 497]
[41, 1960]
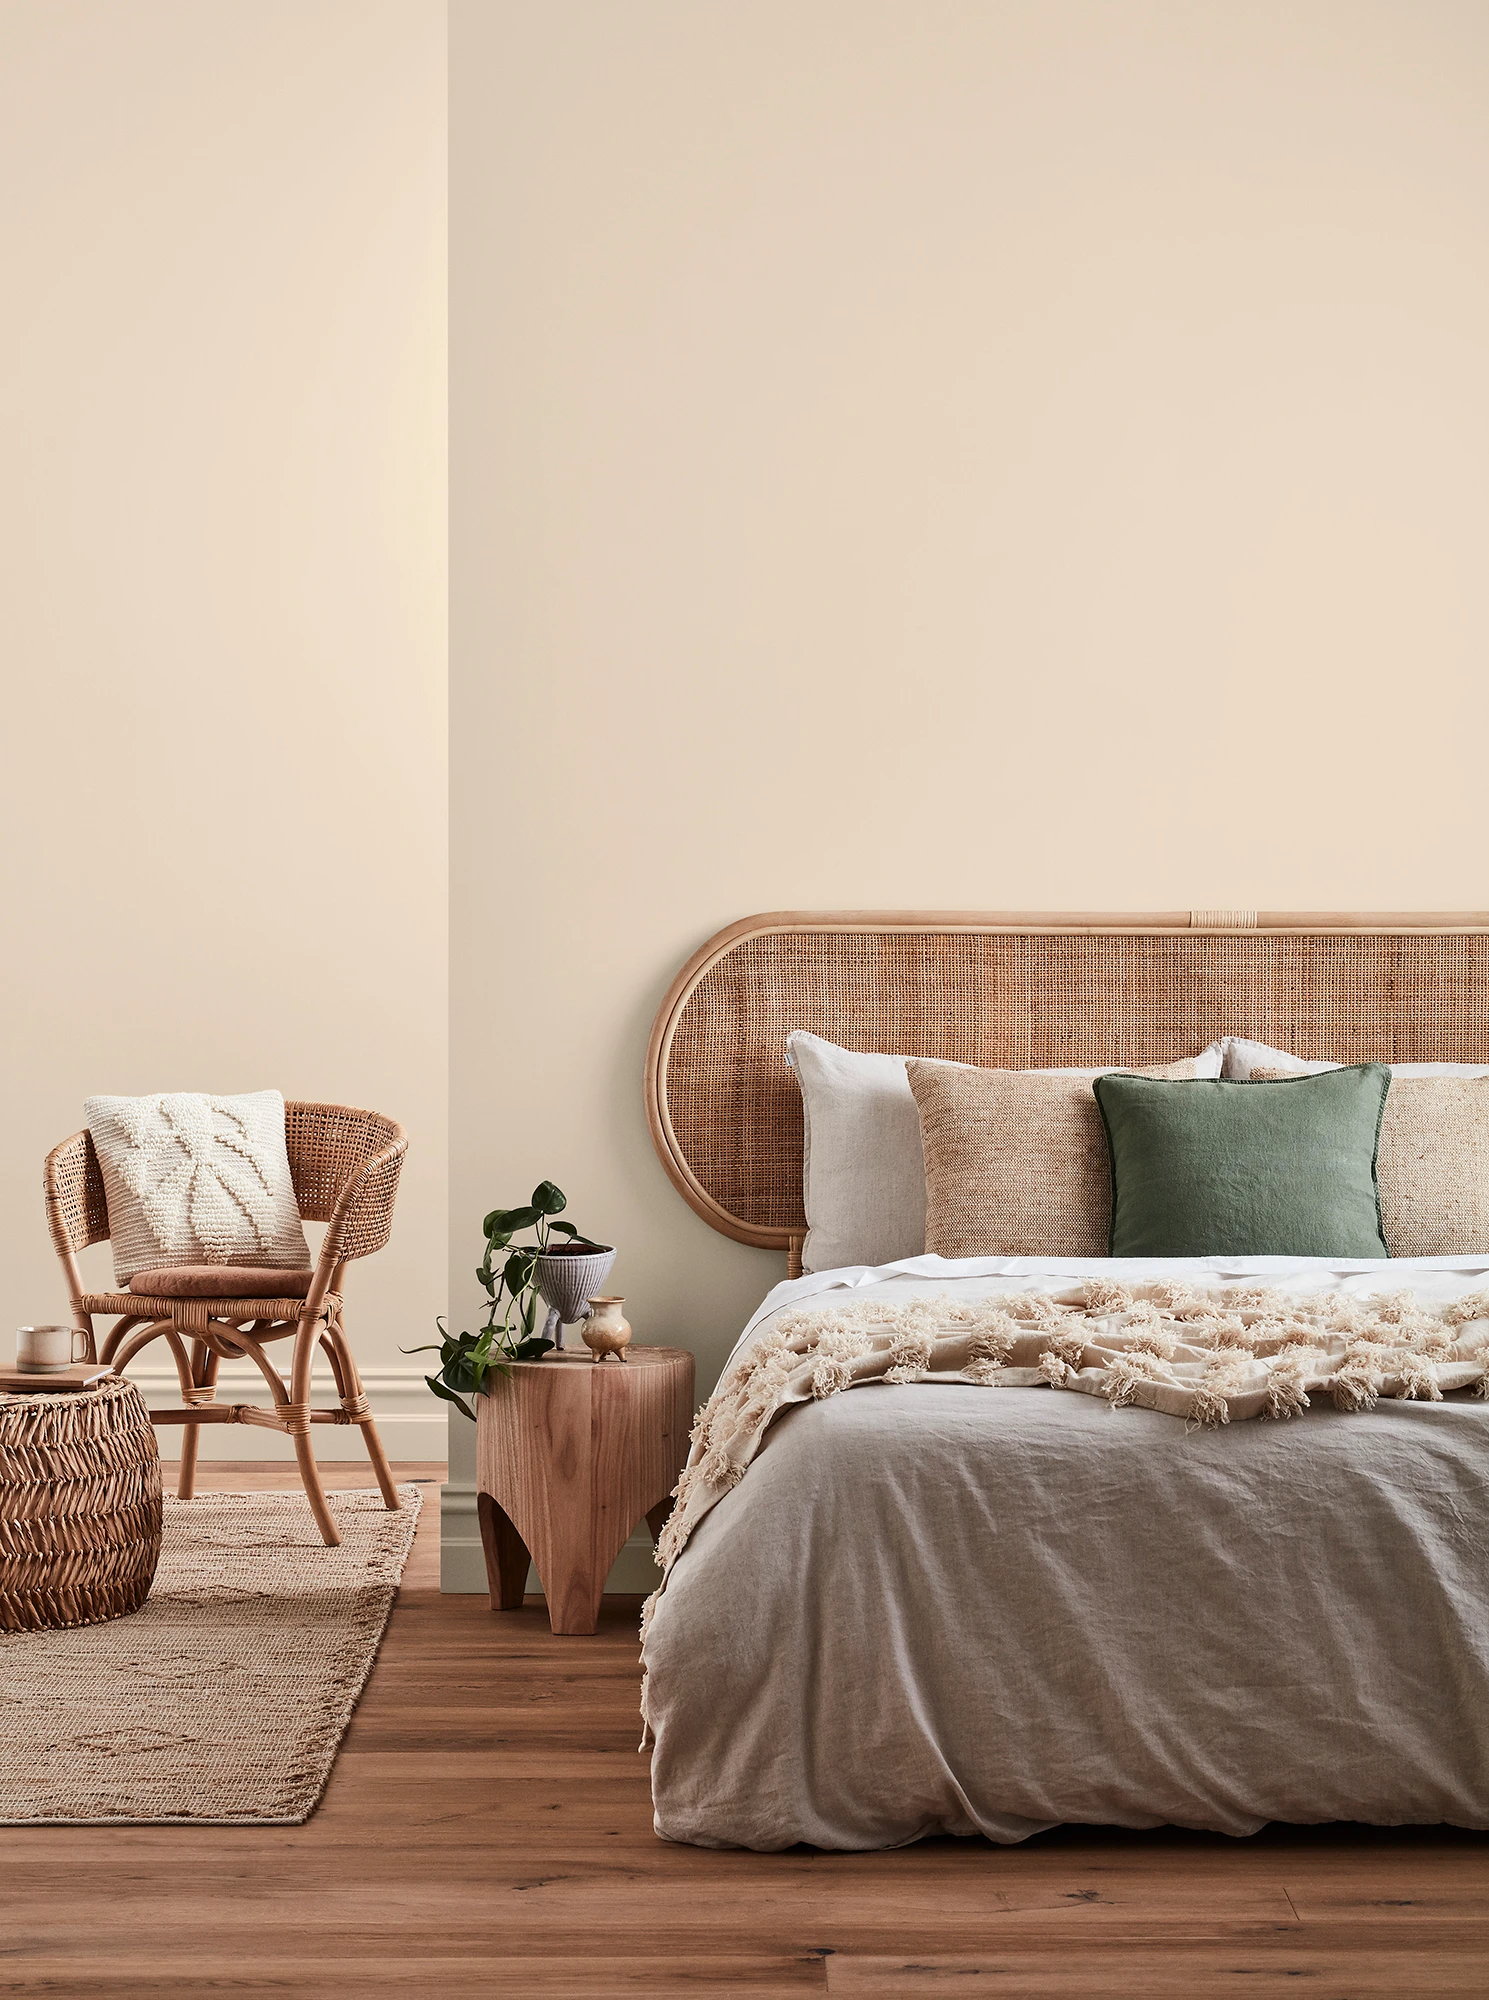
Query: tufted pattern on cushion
[194, 1179]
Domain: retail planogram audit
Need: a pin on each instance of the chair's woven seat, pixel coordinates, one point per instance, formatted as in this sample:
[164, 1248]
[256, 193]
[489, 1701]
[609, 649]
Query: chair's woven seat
[220, 1281]
[138, 1307]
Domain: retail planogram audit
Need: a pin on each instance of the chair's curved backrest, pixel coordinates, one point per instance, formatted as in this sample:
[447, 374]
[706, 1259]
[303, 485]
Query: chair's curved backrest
[77, 1209]
[329, 1146]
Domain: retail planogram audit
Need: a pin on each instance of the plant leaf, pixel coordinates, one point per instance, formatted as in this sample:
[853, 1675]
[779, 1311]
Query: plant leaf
[448, 1396]
[518, 1269]
[548, 1199]
[433, 1348]
[562, 1229]
[529, 1350]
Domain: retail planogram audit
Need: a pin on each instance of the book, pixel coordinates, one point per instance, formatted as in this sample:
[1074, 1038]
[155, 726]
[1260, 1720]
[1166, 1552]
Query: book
[51, 1381]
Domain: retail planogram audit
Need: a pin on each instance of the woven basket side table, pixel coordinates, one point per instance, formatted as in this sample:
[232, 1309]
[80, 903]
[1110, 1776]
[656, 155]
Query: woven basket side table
[571, 1454]
[80, 1509]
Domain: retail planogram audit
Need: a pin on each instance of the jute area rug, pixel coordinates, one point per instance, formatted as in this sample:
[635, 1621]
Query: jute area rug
[225, 1698]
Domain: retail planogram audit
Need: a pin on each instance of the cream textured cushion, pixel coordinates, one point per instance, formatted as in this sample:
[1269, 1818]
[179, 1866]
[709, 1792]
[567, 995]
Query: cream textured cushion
[1016, 1161]
[1432, 1162]
[863, 1171]
[1433, 1166]
[192, 1179]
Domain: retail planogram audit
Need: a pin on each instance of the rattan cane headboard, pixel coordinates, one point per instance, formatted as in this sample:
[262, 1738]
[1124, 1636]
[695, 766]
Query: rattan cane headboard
[1025, 991]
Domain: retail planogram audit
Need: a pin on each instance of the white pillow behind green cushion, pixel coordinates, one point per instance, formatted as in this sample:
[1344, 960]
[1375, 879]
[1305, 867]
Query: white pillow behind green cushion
[194, 1179]
[1241, 1057]
[863, 1166]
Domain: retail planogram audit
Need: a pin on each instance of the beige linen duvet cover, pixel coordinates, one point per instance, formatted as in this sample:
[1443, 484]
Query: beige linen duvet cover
[938, 1607]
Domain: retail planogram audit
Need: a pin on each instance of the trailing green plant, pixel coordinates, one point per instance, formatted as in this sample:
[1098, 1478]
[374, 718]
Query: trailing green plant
[469, 1360]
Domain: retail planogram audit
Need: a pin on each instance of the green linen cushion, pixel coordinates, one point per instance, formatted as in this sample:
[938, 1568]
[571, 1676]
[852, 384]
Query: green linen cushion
[1233, 1169]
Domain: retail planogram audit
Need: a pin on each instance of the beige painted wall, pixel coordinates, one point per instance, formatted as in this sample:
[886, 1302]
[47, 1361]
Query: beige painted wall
[955, 453]
[222, 591]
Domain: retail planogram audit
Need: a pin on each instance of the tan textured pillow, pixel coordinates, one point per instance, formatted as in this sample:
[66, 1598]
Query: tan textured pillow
[1016, 1163]
[1432, 1165]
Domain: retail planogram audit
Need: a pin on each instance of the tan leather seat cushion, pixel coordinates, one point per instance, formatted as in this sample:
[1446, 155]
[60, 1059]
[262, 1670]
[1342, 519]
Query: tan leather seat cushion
[220, 1281]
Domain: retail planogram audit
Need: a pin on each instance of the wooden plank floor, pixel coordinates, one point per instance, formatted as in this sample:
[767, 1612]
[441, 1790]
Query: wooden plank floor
[487, 1831]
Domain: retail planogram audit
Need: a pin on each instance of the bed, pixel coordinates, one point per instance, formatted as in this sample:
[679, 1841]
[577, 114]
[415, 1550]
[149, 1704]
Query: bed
[924, 1608]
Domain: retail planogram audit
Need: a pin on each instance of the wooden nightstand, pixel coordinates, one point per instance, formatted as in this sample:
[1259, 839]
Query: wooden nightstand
[570, 1454]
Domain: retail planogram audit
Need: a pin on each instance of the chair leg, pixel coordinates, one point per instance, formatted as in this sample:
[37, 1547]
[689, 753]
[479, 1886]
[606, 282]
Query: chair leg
[299, 1427]
[349, 1385]
[186, 1478]
[315, 1493]
[204, 1364]
[380, 1465]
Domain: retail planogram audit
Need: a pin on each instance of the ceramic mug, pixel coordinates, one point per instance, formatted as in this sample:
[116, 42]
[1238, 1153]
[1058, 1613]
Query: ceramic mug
[41, 1348]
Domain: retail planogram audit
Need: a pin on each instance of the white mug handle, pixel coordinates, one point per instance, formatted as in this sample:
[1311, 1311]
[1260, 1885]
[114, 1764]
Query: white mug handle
[80, 1334]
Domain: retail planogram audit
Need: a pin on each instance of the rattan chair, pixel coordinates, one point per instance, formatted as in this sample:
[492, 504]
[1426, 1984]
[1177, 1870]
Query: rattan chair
[345, 1165]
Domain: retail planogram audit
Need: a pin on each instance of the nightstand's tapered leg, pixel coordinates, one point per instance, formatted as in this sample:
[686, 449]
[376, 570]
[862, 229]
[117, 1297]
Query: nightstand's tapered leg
[656, 1517]
[574, 1574]
[506, 1555]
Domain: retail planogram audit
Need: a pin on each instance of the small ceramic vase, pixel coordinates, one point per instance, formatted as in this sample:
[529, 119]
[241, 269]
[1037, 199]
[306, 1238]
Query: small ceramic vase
[607, 1330]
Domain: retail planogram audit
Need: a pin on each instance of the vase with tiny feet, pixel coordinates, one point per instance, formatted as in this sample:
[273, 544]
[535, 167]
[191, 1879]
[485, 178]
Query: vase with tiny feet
[607, 1330]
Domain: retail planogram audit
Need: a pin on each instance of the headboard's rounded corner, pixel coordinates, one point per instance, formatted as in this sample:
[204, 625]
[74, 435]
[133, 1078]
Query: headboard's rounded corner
[664, 1135]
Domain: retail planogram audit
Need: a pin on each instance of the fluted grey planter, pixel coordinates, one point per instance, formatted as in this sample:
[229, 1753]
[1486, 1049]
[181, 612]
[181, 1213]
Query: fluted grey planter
[567, 1280]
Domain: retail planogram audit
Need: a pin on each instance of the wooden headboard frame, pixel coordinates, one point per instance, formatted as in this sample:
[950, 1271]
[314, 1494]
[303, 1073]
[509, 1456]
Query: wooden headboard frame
[1025, 990]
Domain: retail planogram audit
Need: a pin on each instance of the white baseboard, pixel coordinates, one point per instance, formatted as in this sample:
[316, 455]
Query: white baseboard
[462, 1565]
[410, 1421]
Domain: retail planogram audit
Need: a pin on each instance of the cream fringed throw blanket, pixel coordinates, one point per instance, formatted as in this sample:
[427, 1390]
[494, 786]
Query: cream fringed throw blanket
[1206, 1358]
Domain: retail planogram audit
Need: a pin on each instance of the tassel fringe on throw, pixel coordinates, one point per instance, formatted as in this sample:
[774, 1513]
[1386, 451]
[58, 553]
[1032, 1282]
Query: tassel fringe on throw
[1208, 1359]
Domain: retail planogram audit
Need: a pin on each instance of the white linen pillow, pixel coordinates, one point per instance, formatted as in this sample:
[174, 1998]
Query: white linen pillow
[863, 1166]
[193, 1179]
[1241, 1057]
